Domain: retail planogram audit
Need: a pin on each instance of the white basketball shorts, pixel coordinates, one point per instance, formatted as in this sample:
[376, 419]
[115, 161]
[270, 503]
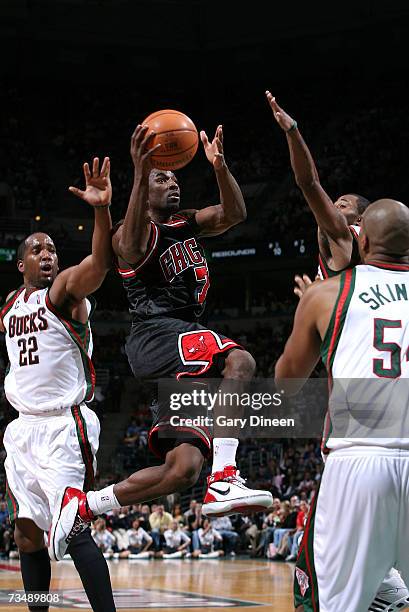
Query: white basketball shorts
[361, 525]
[45, 454]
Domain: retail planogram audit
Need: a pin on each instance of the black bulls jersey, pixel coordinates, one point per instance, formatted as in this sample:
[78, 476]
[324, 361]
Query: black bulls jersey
[324, 271]
[172, 279]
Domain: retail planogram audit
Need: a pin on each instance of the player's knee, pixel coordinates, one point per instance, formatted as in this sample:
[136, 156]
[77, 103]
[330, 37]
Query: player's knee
[299, 609]
[184, 466]
[28, 543]
[239, 365]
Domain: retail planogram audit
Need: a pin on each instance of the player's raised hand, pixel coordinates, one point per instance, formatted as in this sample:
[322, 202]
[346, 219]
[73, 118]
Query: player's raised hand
[283, 119]
[142, 149]
[98, 189]
[302, 283]
[214, 150]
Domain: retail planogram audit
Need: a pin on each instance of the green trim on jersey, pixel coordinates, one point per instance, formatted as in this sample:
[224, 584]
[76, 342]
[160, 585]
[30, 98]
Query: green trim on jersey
[305, 578]
[9, 302]
[80, 334]
[12, 504]
[85, 446]
[331, 339]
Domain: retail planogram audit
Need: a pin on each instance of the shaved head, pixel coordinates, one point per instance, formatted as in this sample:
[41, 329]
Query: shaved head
[385, 230]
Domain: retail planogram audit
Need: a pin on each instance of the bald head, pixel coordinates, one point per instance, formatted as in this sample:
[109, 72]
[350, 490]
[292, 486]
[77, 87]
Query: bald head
[385, 230]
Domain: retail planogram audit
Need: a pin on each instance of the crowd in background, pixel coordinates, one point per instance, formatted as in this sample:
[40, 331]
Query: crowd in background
[354, 149]
[146, 531]
[354, 152]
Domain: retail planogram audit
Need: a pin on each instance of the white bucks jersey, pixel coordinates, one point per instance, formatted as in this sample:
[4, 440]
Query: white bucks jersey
[366, 352]
[50, 366]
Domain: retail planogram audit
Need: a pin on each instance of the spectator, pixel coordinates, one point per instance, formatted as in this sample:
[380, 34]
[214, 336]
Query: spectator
[208, 536]
[177, 514]
[230, 538]
[192, 509]
[288, 521]
[176, 542]
[139, 541]
[103, 538]
[159, 522]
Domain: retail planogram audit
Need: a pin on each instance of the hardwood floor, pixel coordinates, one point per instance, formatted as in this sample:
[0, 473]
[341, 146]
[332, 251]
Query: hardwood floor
[172, 584]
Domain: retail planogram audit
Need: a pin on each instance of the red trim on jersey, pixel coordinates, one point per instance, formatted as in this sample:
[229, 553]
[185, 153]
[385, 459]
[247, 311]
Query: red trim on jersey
[337, 323]
[175, 223]
[82, 345]
[168, 427]
[10, 303]
[353, 232]
[13, 501]
[322, 266]
[389, 266]
[85, 447]
[152, 244]
[304, 545]
[176, 220]
[31, 291]
[341, 303]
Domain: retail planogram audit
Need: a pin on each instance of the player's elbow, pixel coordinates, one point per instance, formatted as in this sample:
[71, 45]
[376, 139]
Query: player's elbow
[286, 378]
[307, 184]
[129, 252]
[235, 218]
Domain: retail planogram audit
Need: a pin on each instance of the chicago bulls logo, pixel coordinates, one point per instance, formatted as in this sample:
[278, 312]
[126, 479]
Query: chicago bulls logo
[199, 347]
[303, 581]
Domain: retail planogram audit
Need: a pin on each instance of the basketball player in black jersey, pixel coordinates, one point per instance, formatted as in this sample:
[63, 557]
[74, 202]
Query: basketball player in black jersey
[338, 229]
[165, 275]
[338, 223]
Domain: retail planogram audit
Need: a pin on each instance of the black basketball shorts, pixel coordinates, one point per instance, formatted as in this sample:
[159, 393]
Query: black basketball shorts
[171, 348]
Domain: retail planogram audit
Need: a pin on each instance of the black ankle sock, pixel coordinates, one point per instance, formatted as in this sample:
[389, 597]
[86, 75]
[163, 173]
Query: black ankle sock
[36, 572]
[93, 570]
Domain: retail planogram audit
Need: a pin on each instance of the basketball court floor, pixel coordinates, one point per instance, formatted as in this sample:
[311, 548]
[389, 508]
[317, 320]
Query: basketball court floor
[195, 585]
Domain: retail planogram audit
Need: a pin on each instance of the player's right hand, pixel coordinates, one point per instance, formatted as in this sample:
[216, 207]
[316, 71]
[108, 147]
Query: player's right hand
[283, 119]
[141, 153]
[302, 283]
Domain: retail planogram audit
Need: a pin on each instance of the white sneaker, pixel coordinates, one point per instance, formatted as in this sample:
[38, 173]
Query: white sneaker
[392, 596]
[227, 494]
[71, 517]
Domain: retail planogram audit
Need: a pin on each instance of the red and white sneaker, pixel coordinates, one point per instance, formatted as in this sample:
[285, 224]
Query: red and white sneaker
[71, 517]
[227, 494]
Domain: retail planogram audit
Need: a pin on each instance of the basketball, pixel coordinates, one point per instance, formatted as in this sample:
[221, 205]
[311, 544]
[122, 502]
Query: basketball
[178, 136]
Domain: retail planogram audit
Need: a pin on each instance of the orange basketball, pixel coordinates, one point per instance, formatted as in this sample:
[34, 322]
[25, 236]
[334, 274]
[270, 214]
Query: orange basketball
[178, 136]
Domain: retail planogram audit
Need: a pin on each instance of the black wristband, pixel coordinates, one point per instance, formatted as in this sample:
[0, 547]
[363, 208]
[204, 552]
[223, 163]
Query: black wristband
[103, 205]
[293, 127]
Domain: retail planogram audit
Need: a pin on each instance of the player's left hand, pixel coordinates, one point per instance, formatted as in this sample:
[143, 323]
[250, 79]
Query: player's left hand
[214, 150]
[283, 119]
[98, 189]
[302, 283]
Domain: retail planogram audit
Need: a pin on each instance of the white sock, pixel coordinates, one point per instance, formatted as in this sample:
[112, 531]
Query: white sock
[103, 500]
[224, 453]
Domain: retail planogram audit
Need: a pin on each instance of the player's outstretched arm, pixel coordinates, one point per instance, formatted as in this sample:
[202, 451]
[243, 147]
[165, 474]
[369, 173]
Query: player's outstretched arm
[328, 217]
[302, 349]
[131, 240]
[75, 283]
[214, 220]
